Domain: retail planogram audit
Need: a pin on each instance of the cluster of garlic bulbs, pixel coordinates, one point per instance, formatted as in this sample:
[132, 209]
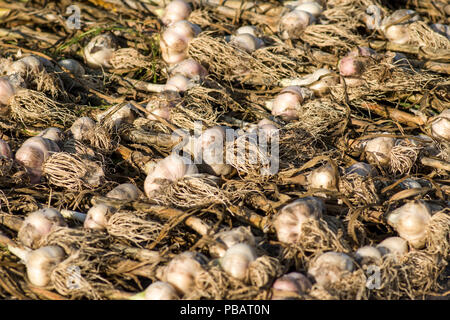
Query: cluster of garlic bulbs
[301, 15]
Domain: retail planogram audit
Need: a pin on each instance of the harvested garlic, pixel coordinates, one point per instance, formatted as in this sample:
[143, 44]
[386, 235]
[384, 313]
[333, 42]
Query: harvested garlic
[73, 66]
[236, 260]
[440, 126]
[313, 8]
[362, 169]
[367, 255]
[398, 32]
[330, 267]
[293, 23]
[378, 150]
[324, 177]
[287, 103]
[54, 134]
[162, 104]
[175, 41]
[160, 290]
[246, 42]
[82, 128]
[230, 238]
[6, 92]
[99, 50]
[292, 282]
[41, 262]
[190, 69]
[126, 114]
[288, 221]
[211, 143]
[97, 217]
[175, 11]
[393, 245]
[124, 191]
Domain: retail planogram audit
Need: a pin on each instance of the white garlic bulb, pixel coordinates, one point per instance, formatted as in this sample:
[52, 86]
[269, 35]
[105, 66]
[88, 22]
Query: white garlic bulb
[5, 150]
[398, 33]
[183, 269]
[6, 91]
[52, 133]
[230, 238]
[33, 63]
[246, 42]
[179, 83]
[73, 66]
[440, 126]
[330, 267]
[247, 29]
[313, 8]
[175, 11]
[189, 68]
[97, 217]
[38, 224]
[288, 221]
[126, 114]
[236, 260]
[287, 103]
[393, 245]
[293, 23]
[99, 50]
[362, 169]
[82, 128]
[367, 255]
[411, 222]
[160, 290]
[41, 262]
[324, 177]
[124, 191]
[378, 150]
[292, 282]
[175, 40]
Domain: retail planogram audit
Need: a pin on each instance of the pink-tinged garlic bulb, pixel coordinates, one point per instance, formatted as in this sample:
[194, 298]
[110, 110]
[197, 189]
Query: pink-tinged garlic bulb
[162, 104]
[288, 221]
[229, 238]
[41, 262]
[6, 92]
[169, 169]
[211, 146]
[294, 282]
[126, 114]
[293, 23]
[393, 245]
[175, 11]
[246, 42]
[367, 255]
[237, 259]
[287, 103]
[190, 69]
[378, 150]
[52, 133]
[99, 50]
[330, 267]
[440, 126]
[33, 153]
[97, 217]
[362, 169]
[183, 269]
[82, 128]
[324, 177]
[5, 150]
[38, 224]
[266, 130]
[411, 222]
[179, 83]
[175, 41]
[350, 66]
[73, 66]
[160, 290]
[124, 191]
[398, 32]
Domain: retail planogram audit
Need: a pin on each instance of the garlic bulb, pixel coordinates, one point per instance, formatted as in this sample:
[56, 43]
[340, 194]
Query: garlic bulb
[247, 29]
[440, 126]
[288, 221]
[41, 262]
[126, 114]
[124, 191]
[169, 169]
[292, 282]
[73, 66]
[236, 260]
[324, 177]
[398, 33]
[52, 133]
[266, 130]
[367, 255]
[313, 8]
[97, 217]
[330, 267]
[350, 66]
[160, 290]
[162, 104]
[33, 63]
[175, 40]
[230, 238]
[5, 150]
[411, 222]
[38, 224]
[175, 11]
[82, 128]
[6, 91]
[211, 143]
[179, 83]
[99, 50]
[378, 150]
[293, 23]
[393, 245]
[287, 103]
[246, 42]
[183, 269]
[362, 169]
[190, 69]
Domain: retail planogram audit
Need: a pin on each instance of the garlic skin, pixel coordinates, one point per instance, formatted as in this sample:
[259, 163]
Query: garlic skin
[288, 221]
[323, 177]
[171, 169]
[440, 126]
[411, 222]
[313, 8]
[52, 133]
[182, 270]
[124, 191]
[230, 238]
[330, 267]
[175, 11]
[99, 50]
[97, 217]
[350, 66]
[33, 63]
[292, 282]
[38, 224]
[393, 245]
[175, 40]
[5, 150]
[398, 33]
[211, 146]
[190, 69]
[126, 114]
[41, 262]
[73, 66]
[367, 255]
[378, 150]
[293, 23]
[82, 128]
[236, 260]
[362, 169]
[178, 83]
[286, 104]
[160, 290]
[162, 104]
[6, 92]
[247, 29]
[246, 42]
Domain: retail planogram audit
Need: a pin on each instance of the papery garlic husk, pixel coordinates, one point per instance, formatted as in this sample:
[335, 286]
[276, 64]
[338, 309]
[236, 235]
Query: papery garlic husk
[288, 221]
[313, 8]
[246, 42]
[292, 282]
[236, 260]
[5, 150]
[411, 222]
[393, 245]
[73, 66]
[160, 290]
[54, 134]
[330, 267]
[7, 90]
[99, 50]
[126, 114]
[378, 150]
[189, 68]
[41, 262]
[230, 238]
[38, 224]
[324, 177]
[293, 23]
[162, 104]
[440, 126]
[350, 66]
[175, 11]
[124, 191]
[367, 255]
[362, 169]
[183, 269]
[179, 83]
[82, 128]
[398, 33]
[287, 103]
[97, 217]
